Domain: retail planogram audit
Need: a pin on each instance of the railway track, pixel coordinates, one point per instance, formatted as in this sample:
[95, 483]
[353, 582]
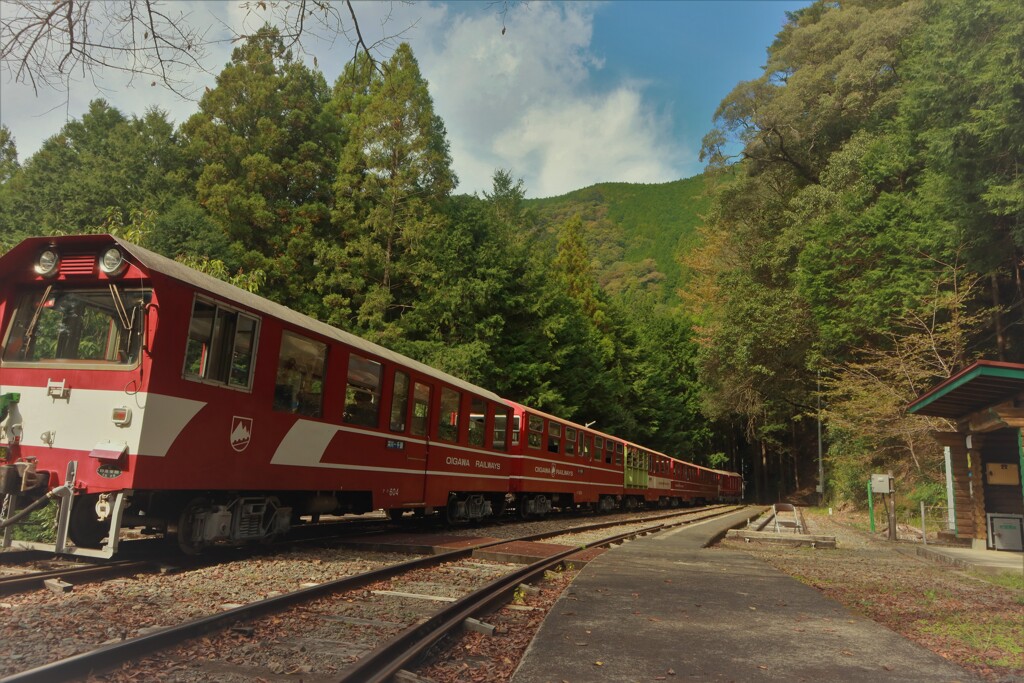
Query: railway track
[72, 574]
[152, 555]
[360, 627]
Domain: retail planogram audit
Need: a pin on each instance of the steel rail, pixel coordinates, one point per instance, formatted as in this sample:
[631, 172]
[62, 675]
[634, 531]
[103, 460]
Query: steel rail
[19, 583]
[108, 656]
[380, 665]
[699, 513]
[17, 556]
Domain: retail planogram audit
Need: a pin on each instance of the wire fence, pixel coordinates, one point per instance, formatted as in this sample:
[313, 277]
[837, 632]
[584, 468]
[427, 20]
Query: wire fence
[922, 525]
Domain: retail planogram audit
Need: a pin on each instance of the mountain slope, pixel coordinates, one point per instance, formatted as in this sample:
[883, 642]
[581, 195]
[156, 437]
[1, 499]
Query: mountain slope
[635, 231]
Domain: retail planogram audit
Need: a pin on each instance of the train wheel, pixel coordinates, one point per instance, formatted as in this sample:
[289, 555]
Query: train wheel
[451, 511]
[395, 514]
[84, 529]
[498, 505]
[185, 526]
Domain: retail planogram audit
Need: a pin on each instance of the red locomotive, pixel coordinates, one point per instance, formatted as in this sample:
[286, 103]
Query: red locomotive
[141, 393]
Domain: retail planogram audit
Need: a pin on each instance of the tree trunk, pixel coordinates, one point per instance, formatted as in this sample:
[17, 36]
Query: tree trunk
[997, 318]
[758, 471]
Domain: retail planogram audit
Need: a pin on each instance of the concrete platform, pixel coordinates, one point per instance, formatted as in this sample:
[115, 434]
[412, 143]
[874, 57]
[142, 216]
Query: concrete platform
[782, 538]
[661, 608]
[983, 561]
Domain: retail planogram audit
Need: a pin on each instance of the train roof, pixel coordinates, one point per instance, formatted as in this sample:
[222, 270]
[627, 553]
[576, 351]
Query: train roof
[615, 438]
[156, 263]
[563, 420]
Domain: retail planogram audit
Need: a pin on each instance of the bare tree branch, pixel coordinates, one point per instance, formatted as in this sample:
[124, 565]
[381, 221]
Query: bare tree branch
[42, 42]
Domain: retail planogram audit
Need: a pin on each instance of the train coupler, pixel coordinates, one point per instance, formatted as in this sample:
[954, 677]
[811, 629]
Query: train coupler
[66, 499]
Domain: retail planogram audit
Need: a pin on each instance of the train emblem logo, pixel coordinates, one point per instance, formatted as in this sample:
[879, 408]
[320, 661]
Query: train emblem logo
[241, 432]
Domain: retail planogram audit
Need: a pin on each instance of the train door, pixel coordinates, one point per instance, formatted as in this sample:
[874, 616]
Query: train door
[410, 408]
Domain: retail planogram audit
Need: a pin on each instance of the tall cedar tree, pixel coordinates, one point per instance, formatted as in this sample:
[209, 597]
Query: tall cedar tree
[393, 176]
[262, 149]
[103, 165]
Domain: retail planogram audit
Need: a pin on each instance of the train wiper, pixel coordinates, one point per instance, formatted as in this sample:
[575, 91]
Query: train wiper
[30, 330]
[127, 321]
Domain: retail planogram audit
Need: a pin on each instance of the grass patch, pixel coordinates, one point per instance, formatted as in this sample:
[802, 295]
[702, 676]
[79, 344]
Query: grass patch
[998, 642]
[1014, 582]
[40, 525]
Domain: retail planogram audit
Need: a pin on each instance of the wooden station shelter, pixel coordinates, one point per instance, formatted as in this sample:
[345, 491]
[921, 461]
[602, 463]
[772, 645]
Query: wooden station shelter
[985, 455]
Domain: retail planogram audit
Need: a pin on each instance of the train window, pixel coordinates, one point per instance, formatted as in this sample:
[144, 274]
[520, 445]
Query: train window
[585, 440]
[618, 453]
[95, 326]
[515, 430]
[362, 392]
[200, 337]
[299, 387]
[477, 421]
[240, 374]
[500, 433]
[399, 401]
[554, 437]
[448, 422]
[420, 409]
[599, 443]
[570, 441]
[608, 452]
[220, 345]
[536, 427]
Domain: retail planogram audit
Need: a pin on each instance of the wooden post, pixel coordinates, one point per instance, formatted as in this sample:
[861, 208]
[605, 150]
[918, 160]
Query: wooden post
[890, 511]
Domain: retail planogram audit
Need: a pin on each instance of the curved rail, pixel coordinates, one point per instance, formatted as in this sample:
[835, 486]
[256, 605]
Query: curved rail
[109, 656]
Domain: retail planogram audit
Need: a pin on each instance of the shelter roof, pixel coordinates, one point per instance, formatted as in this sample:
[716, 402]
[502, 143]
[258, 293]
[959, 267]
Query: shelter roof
[977, 387]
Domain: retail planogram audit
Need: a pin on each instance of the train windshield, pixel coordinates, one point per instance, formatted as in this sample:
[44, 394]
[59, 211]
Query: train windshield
[60, 324]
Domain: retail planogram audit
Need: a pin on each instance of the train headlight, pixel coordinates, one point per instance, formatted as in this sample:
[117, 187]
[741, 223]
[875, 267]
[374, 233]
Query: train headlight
[46, 264]
[112, 261]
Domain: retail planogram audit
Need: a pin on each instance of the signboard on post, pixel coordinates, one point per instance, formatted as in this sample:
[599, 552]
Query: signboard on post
[881, 483]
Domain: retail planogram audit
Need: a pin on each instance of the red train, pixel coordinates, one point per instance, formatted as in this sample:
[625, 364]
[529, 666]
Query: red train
[141, 393]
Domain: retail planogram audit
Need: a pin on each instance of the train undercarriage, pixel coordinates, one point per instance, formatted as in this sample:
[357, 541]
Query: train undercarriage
[91, 524]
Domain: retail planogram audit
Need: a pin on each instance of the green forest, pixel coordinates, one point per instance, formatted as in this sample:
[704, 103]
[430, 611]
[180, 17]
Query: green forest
[853, 240]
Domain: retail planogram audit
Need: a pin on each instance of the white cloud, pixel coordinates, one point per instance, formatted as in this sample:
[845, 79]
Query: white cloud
[526, 101]
[587, 140]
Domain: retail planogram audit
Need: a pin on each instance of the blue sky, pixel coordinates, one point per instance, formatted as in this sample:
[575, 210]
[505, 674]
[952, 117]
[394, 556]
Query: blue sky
[572, 94]
[692, 52]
